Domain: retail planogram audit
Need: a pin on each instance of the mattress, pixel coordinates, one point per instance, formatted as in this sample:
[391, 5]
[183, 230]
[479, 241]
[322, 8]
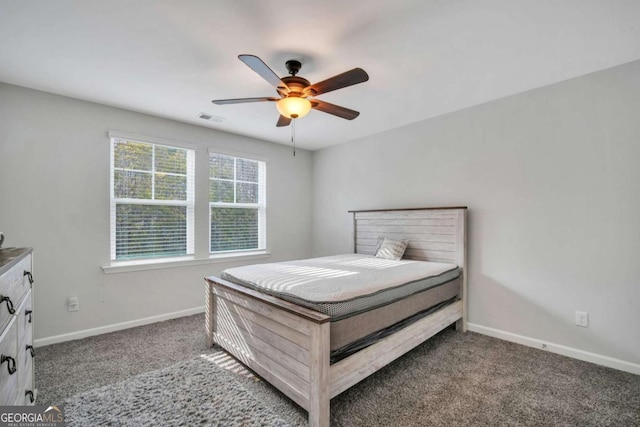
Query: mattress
[349, 330]
[343, 285]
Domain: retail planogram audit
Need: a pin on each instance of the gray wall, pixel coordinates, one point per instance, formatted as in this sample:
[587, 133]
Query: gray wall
[549, 176]
[552, 183]
[54, 197]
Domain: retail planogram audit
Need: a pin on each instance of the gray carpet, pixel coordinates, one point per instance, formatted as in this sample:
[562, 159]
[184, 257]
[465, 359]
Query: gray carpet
[180, 395]
[453, 379]
[65, 369]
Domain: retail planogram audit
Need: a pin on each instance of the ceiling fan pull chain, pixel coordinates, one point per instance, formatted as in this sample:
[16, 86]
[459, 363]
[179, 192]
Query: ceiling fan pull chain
[293, 136]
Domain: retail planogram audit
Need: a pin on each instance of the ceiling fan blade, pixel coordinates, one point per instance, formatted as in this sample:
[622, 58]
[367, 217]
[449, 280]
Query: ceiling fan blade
[348, 78]
[257, 65]
[336, 110]
[241, 100]
[283, 121]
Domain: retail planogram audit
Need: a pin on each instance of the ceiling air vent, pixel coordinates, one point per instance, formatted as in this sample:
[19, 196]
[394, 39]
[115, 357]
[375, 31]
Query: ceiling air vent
[211, 117]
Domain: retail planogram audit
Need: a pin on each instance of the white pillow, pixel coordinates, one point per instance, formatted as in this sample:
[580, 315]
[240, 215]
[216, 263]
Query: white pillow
[392, 249]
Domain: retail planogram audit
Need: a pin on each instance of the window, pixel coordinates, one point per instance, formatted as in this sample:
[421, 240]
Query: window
[152, 200]
[237, 205]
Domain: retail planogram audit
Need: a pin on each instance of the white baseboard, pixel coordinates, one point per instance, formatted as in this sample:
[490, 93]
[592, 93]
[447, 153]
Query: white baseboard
[575, 353]
[115, 327]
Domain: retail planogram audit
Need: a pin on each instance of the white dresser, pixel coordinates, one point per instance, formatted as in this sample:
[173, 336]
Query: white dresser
[17, 386]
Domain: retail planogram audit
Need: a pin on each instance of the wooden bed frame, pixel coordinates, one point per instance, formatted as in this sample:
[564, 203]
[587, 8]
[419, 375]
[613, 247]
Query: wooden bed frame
[288, 345]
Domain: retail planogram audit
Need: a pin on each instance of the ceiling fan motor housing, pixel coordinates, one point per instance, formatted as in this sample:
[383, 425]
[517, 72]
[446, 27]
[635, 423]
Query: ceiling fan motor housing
[296, 86]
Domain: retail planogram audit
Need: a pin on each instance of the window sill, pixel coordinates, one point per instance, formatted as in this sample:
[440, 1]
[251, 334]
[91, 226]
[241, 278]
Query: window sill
[130, 266]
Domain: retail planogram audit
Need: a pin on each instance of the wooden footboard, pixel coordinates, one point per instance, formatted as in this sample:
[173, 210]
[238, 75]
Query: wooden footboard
[286, 344]
[289, 345]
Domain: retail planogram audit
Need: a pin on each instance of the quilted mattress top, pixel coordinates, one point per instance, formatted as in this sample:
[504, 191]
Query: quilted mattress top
[343, 285]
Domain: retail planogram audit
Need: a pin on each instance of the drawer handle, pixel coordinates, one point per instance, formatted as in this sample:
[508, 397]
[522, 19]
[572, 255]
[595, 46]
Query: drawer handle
[9, 304]
[32, 350]
[30, 394]
[29, 275]
[9, 360]
[28, 313]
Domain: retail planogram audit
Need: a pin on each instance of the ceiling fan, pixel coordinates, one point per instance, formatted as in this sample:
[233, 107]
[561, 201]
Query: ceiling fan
[294, 90]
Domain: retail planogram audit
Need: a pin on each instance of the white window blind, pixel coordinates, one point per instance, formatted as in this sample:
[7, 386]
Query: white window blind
[237, 203]
[152, 200]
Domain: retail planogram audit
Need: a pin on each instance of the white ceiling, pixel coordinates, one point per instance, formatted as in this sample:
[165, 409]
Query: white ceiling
[424, 57]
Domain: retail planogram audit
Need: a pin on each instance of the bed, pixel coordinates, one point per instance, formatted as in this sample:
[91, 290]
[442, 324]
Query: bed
[299, 346]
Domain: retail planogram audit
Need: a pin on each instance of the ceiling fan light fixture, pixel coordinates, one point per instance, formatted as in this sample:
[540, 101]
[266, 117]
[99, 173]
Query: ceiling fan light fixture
[294, 107]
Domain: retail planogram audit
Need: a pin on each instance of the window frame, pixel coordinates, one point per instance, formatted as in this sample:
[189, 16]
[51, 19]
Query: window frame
[260, 206]
[189, 203]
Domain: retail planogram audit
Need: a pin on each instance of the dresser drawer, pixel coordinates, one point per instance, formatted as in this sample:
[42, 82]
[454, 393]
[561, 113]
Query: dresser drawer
[7, 281]
[14, 285]
[25, 331]
[26, 384]
[23, 275]
[8, 350]
[25, 318]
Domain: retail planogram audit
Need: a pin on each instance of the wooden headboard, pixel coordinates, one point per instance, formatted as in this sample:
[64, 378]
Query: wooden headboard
[434, 234]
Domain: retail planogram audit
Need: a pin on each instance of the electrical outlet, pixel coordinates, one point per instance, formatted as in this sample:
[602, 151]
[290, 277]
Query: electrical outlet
[73, 304]
[582, 319]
